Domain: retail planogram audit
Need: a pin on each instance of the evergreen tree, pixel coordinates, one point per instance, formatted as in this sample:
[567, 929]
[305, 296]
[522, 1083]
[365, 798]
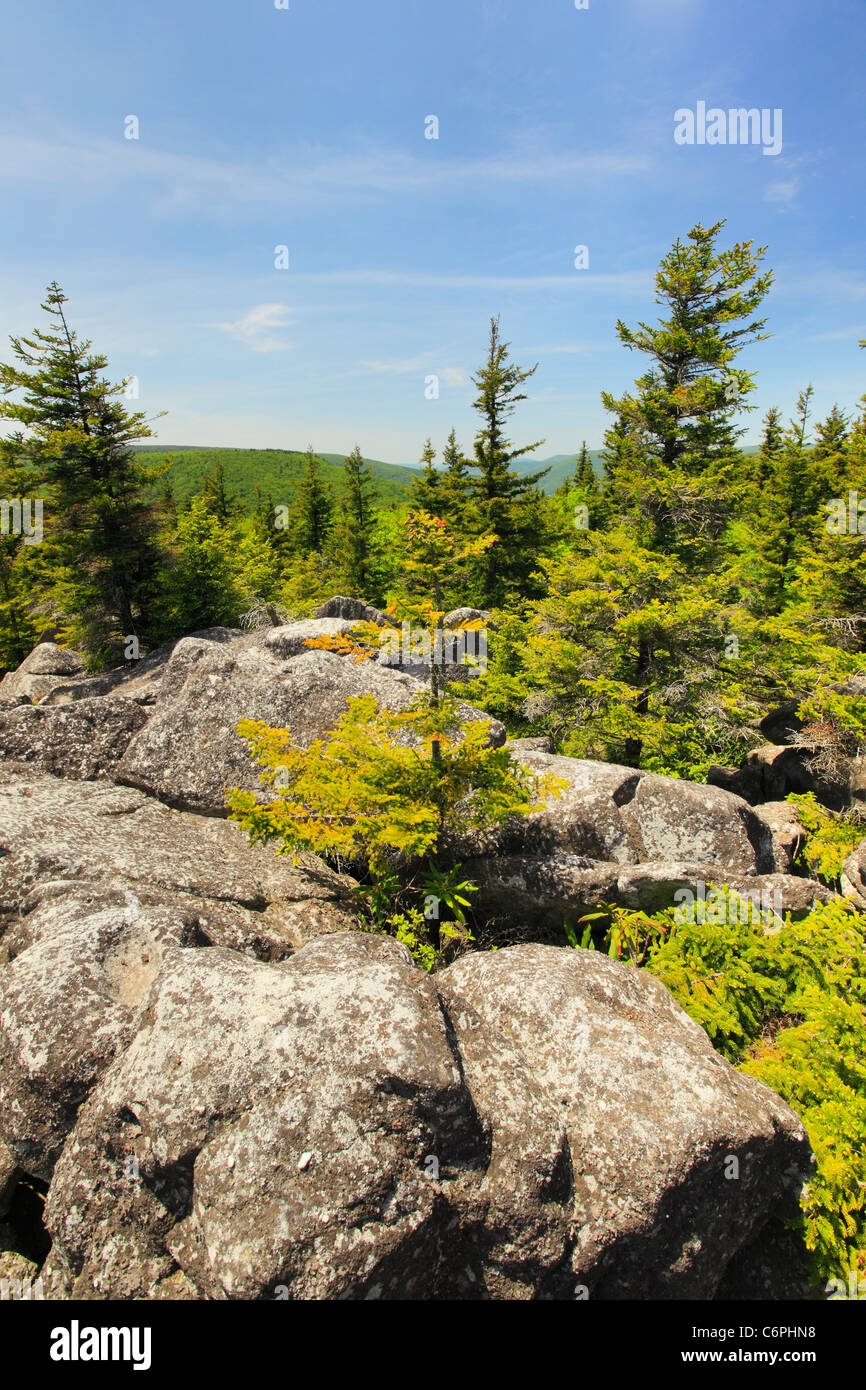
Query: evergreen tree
[584, 473]
[833, 576]
[772, 441]
[198, 589]
[674, 441]
[787, 511]
[831, 440]
[314, 508]
[508, 504]
[217, 498]
[22, 574]
[356, 540]
[426, 492]
[100, 519]
[456, 485]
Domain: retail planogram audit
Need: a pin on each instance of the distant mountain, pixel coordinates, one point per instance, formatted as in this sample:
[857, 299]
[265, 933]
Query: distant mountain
[561, 467]
[275, 472]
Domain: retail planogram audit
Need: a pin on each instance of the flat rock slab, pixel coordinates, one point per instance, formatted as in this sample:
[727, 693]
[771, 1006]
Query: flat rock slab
[51, 828]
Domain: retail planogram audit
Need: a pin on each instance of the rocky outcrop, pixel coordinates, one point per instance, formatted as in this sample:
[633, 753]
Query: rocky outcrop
[8, 1177]
[770, 773]
[97, 883]
[137, 680]
[188, 753]
[534, 895]
[624, 816]
[341, 1126]
[353, 610]
[40, 672]
[83, 740]
[235, 1091]
[458, 616]
[787, 834]
[52, 830]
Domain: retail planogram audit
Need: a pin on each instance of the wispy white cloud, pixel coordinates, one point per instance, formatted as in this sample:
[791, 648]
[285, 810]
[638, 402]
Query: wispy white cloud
[448, 376]
[783, 192]
[626, 282]
[185, 182]
[254, 328]
[839, 335]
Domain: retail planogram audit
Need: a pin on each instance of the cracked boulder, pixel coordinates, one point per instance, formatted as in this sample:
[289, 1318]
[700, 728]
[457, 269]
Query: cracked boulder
[95, 883]
[534, 894]
[606, 814]
[53, 829]
[526, 1124]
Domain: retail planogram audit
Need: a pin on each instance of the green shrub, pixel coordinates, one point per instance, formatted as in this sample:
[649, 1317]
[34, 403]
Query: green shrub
[830, 838]
[387, 789]
[789, 1007]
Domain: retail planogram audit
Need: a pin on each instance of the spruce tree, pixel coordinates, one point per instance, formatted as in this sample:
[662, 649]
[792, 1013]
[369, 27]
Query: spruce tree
[772, 442]
[788, 512]
[831, 439]
[456, 484]
[314, 508]
[215, 494]
[584, 473]
[426, 492]
[100, 519]
[356, 546]
[23, 580]
[507, 503]
[674, 441]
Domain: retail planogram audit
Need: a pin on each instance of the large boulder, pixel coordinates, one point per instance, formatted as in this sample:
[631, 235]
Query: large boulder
[188, 753]
[535, 895]
[653, 1116]
[787, 833]
[621, 815]
[97, 882]
[94, 832]
[82, 740]
[69, 1000]
[527, 1124]
[293, 639]
[772, 772]
[138, 680]
[46, 667]
[353, 610]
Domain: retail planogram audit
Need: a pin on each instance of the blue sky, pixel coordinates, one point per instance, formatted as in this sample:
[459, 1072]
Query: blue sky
[305, 127]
